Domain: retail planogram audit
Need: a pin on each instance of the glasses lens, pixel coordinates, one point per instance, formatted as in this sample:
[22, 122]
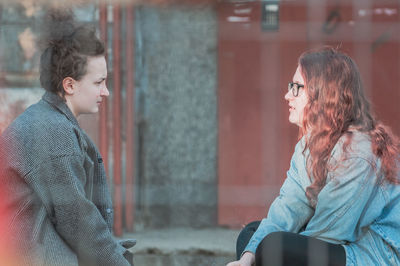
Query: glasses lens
[293, 88]
[290, 87]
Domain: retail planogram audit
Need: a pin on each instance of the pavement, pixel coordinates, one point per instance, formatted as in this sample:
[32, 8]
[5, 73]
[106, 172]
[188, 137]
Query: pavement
[184, 246]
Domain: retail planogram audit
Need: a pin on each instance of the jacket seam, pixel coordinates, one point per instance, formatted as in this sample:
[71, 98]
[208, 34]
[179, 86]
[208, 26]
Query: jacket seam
[350, 203]
[49, 159]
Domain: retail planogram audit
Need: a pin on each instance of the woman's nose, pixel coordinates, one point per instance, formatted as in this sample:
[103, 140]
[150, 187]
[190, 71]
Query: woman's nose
[288, 96]
[104, 91]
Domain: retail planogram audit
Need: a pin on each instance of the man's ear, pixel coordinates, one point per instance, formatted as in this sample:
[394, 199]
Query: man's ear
[68, 85]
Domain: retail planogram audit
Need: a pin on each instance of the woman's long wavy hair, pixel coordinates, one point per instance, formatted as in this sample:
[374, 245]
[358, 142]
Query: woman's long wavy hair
[336, 102]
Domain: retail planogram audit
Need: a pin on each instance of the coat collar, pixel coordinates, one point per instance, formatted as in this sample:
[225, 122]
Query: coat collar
[59, 103]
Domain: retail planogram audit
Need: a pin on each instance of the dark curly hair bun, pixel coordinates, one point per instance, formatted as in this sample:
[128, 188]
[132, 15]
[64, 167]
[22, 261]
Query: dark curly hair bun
[66, 46]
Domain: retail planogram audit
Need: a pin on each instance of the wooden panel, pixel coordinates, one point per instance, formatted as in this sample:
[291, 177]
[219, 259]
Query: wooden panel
[254, 66]
[255, 137]
[385, 60]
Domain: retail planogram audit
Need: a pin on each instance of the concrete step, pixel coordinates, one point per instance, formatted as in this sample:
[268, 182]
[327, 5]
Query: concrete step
[184, 247]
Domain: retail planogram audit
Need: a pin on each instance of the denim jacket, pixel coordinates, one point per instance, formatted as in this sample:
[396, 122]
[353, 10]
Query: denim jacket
[356, 208]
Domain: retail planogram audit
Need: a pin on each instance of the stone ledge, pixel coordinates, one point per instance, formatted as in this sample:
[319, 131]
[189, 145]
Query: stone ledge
[184, 246]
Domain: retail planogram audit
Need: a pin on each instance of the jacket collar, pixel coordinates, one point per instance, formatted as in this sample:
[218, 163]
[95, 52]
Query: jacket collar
[59, 103]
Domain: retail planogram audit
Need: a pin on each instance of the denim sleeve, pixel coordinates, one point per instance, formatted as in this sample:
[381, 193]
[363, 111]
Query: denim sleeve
[343, 207]
[290, 211]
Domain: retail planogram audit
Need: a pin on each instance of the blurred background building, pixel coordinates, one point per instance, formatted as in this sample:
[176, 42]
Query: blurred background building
[195, 133]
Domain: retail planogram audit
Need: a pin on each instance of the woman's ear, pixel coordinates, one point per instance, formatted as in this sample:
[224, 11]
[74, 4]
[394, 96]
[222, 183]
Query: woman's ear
[68, 85]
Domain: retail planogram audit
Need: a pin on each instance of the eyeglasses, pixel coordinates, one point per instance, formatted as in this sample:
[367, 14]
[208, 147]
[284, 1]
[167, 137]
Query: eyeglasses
[294, 88]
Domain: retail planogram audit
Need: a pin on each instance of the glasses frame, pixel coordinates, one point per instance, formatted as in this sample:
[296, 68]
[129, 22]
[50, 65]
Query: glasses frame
[294, 87]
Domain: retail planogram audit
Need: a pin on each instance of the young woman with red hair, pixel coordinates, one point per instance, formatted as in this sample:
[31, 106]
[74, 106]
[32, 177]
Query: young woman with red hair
[340, 202]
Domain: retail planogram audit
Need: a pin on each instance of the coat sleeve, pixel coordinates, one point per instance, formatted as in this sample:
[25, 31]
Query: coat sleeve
[60, 185]
[290, 211]
[343, 206]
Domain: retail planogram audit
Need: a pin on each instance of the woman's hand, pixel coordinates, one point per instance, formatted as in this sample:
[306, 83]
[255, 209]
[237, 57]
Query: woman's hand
[247, 259]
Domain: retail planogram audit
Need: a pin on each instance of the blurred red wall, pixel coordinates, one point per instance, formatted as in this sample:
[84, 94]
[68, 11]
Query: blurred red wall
[254, 66]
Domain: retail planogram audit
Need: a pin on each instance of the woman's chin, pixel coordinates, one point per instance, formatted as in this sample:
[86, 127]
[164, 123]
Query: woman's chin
[293, 120]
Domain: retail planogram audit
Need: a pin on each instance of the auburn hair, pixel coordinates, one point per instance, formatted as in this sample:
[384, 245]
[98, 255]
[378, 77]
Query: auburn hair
[336, 102]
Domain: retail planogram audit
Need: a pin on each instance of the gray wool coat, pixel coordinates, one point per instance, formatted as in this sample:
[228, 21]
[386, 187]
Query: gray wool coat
[54, 188]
